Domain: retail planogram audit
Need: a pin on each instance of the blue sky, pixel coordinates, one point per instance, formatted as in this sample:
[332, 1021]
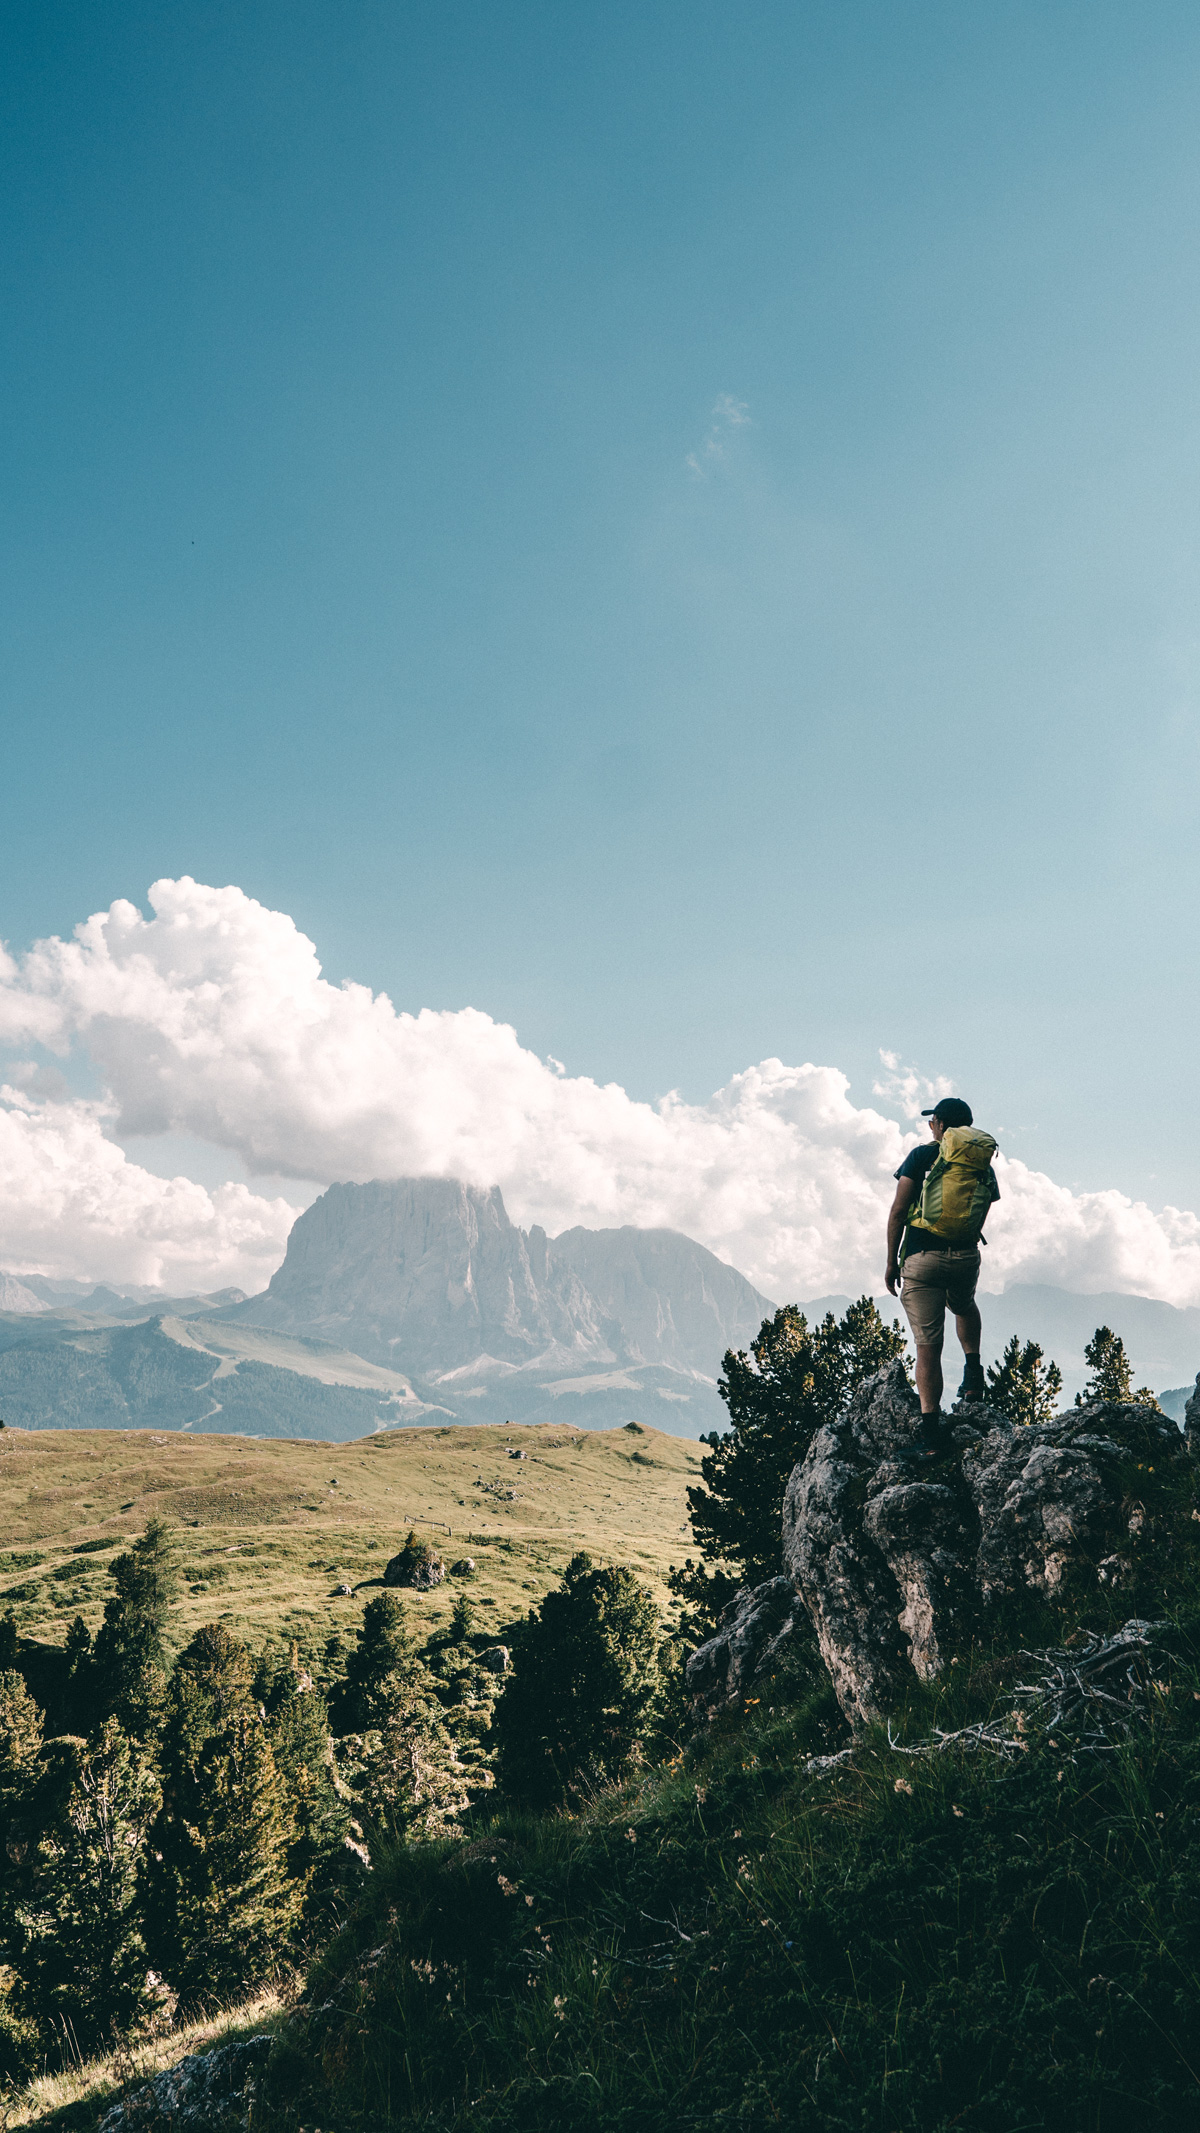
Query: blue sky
[675, 525]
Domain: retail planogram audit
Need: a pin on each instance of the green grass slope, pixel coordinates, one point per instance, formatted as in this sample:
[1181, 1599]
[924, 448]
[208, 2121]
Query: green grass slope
[267, 1529]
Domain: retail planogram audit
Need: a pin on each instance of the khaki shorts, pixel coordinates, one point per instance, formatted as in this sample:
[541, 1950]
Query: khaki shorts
[933, 1283]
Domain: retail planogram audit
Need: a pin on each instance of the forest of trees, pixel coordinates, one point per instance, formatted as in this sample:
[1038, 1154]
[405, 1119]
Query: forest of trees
[177, 1825]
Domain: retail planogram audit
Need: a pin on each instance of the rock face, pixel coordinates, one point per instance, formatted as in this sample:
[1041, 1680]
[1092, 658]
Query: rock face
[893, 1564]
[428, 1270]
[209, 2092]
[670, 1299]
[432, 1277]
[417, 1573]
[753, 1632]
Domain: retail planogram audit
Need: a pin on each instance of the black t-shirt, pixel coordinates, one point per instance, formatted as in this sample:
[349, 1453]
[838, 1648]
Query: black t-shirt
[917, 1165]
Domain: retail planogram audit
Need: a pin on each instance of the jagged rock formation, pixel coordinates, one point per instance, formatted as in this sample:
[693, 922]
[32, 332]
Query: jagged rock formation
[753, 1632]
[894, 1563]
[208, 2092]
[431, 1270]
[490, 1322]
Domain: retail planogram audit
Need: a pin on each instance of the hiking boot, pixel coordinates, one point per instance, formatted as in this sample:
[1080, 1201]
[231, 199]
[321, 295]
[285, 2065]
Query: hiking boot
[932, 1439]
[972, 1387]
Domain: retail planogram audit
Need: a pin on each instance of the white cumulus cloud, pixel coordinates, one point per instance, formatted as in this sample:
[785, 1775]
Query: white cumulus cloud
[211, 1018]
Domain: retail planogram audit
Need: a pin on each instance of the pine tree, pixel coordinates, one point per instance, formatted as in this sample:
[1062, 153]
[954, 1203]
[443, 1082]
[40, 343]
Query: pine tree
[85, 1967]
[224, 1900]
[77, 1705]
[380, 1670]
[298, 1729]
[1112, 1372]
[581, 1701]
[129, 1667]
[21, 1733]
[1023, 1385]
[462, 1620]
[412, 1784]
[796, 1378]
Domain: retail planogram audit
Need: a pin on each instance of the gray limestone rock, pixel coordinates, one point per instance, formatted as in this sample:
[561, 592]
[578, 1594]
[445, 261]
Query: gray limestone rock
[497, 1659]
[893, 1560]
[208, 2092]
[752, 1632]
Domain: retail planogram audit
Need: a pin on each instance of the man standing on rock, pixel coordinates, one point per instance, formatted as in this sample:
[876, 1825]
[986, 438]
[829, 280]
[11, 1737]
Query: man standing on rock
[944, 1194]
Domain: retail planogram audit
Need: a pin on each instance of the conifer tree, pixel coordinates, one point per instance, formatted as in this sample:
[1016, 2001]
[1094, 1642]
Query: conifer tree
[21, 1733]
[1023, 1385]
[796, 1378]
[581, 1701]
[380, 1670]
[129, 1667]
[298, 1729]
[85, 1967]
[412, 1784]
[77, 1705]
[1112, 1372]
[224, 1901]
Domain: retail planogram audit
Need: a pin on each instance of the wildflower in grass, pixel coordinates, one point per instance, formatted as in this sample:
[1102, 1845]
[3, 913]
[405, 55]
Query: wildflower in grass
[902, 1785]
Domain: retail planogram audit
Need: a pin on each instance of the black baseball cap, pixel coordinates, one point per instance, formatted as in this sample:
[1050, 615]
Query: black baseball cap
[952, 1111]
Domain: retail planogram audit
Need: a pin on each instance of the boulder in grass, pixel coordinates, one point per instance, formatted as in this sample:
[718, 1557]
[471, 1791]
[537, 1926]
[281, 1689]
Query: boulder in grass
[418, 1565]
[497, 1659]
[464, 1567]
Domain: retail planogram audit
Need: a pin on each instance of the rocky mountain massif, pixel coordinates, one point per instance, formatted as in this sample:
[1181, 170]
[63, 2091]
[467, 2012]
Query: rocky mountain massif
[403, 1301]
[894, 1565]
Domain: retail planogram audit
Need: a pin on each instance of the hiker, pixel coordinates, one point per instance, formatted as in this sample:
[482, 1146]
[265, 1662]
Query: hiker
[944, 1194]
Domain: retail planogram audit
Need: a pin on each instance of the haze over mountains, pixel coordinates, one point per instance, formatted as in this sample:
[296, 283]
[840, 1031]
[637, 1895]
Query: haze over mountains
[417, 1300]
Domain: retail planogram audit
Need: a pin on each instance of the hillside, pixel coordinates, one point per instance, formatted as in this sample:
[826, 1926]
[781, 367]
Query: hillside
[63, 1369]
[268, 1529]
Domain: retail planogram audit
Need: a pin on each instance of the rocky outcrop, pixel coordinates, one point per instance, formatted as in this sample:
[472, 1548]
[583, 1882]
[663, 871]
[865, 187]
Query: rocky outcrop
[208, 2092]
[893, 1562]
[415, 1571]
[432, 1276]
[752, 1634]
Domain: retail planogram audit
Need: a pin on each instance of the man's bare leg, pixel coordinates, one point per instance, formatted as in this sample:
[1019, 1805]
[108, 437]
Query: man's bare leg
[969, 1328]
[929, 1379]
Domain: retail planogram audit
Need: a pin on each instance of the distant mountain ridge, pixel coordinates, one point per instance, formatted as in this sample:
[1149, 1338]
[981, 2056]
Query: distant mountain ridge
[466, 1316]
[432, 1277]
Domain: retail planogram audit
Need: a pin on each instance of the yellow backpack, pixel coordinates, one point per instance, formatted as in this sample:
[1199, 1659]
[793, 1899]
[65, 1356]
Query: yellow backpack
[956, 1197]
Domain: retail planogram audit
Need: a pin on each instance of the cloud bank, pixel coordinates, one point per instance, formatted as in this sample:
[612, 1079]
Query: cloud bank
[212, 1018]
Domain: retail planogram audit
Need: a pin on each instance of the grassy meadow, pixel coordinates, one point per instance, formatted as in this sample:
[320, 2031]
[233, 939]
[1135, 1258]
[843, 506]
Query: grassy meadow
[268, 1528]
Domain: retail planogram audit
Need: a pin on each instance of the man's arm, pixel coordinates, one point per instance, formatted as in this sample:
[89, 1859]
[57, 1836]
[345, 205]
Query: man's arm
[906, 1193]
